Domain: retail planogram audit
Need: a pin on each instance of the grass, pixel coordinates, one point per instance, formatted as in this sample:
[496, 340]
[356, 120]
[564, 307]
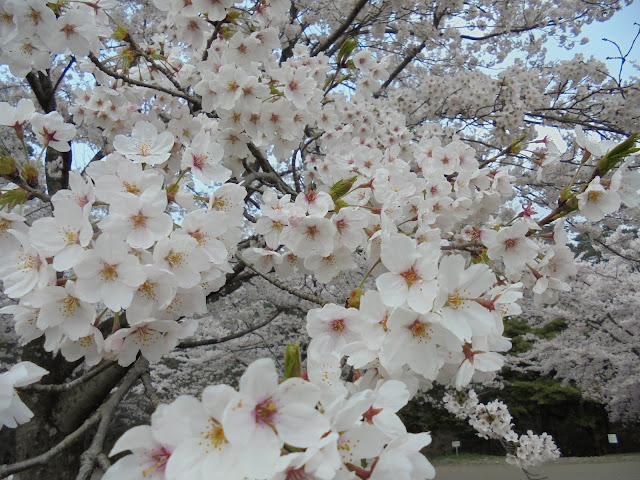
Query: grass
[464, 458]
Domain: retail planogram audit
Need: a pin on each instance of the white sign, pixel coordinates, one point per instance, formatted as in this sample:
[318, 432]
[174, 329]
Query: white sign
[456, 443]
[613, 438]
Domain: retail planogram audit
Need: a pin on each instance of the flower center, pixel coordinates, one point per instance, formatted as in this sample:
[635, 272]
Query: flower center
[511, 242]
[337, 325]
[411, 276]
[213, 435]
[417, 328]
[265, 412]
[108, 272]
[139, 220]
[594, 196]
[158, 458]
[175, 259]
[312, 231]
[69, 305]
[147, 290]
[130, 188]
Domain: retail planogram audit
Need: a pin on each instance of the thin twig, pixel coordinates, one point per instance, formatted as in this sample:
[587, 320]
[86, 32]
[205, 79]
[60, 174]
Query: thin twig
[150, 390]
[412, 54]
[283, 286]
[340, 30]
[68, 385]
[232, 336]
[89, 457]
[190, 98]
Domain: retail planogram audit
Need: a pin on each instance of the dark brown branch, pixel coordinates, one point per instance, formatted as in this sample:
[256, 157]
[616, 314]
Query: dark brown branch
[232, 336]
[412, 54]
[190, 98]
[321, 47]
[150, 390]
[89, 457]
[283, 286]
[43, 459]
[69, 385]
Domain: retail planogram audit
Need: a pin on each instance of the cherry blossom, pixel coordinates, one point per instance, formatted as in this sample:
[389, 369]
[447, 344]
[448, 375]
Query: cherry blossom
[12, 410]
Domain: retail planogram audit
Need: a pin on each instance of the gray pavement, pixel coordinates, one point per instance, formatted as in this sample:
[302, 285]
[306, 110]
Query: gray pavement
[625, 469]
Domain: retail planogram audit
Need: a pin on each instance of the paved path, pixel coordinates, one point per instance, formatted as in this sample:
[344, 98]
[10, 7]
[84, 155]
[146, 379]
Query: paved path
[626, 469]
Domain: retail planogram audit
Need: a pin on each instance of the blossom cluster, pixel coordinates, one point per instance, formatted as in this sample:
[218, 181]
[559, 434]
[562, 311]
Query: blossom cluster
[493, 420]
[206, 143]
[277, 430]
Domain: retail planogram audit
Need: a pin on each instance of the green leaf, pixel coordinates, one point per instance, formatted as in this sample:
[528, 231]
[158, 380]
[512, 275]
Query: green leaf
[7, 165]
[618, 153]
[14, 197]
[342, 187]
[346, 49]
[121, 33]
[30, 174]
[339, 204]
[292, 361]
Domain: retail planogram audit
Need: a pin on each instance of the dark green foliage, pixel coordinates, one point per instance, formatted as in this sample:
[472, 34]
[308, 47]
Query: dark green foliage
[516, 327]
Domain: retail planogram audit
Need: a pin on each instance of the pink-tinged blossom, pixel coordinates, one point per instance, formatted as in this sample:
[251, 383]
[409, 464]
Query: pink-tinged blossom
[145, 144]
[325, 269]
[89, 347]
[511, 245]
[16, 117]
[180, 256]
[269, 414]
[207, 228]
[152, 338]
[25, 269]
[203, 157]
[139, 220]
[229, 198]
[156, 293]
[61, 307]
[315, 204]
[203, 451]
[64, 236]
[126, 177]
[477, 356]
[311, 236]
[332, 326]
[51, 131]
[13, 411]
[596, 201]
[108, 273]
[419, 341]
[148, 459]
[81, 192]
[458, 289]
[411, 274]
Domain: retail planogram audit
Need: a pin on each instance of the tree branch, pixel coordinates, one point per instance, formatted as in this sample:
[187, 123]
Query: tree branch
[89, 457]
[340, 30]
[412, 54]
[150, 390]
[43, 459]
[232, 336]
[68, 385]
[283, 286]
[190, 98]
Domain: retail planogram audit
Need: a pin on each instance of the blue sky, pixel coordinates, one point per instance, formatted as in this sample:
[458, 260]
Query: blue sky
[620, 29]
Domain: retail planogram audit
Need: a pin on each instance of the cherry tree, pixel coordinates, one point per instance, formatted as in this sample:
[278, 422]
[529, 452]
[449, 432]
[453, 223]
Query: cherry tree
[599, 349]
[162, 156]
